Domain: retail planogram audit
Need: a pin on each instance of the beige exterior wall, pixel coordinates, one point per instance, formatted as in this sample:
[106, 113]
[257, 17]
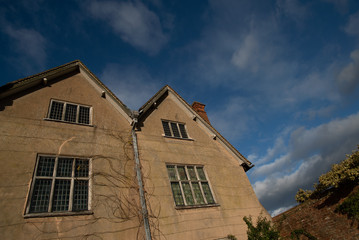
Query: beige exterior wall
[229, 183]
[24, 133]
[115, 210]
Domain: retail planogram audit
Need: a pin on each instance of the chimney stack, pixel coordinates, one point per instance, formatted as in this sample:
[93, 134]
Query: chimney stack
[199, 108]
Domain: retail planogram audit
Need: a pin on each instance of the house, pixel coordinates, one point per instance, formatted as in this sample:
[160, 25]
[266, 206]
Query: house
[78, 164]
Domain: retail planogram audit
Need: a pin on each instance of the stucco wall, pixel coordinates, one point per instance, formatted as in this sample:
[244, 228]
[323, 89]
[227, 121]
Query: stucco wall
[229, 183]
[24, 133]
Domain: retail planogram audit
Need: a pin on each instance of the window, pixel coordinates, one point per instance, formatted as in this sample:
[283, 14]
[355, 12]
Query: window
[174, 129]
[60, 184]
[69, 112]
[189, 185]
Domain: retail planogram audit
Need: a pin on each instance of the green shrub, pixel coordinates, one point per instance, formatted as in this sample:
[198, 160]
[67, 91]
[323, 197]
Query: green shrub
[231, 237]
[303, 195]
[295, 234]
[347, 171]
[264, 229]
[350, 206]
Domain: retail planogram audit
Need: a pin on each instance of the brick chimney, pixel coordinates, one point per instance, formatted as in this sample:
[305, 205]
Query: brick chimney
[199, 108]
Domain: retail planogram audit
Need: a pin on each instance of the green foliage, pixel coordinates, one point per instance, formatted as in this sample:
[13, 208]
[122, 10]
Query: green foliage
[350, 206]
[264, 229]
[231, 237]
[303, 195]
[295, 234]
[344, 172]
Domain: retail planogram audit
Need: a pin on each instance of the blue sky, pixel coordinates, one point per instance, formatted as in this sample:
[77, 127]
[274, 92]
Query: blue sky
[279, 77]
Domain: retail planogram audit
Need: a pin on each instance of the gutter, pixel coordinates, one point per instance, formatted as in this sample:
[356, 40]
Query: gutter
[140, 183]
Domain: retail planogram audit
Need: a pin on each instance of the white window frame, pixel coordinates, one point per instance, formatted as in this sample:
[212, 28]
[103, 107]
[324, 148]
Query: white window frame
[64, 112]
[178, 128]
[190, 182]
[53, 178]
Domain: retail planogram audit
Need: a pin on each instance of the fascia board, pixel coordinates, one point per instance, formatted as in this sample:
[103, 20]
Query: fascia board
[100, 87]
[23, 84]
[51, 74]
[208, 129]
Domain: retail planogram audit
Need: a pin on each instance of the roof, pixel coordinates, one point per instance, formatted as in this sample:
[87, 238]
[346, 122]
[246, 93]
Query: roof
[54, 73]
[167, 89]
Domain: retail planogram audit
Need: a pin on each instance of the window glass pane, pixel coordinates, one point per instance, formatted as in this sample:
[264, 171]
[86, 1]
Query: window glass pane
[61, 196]
[40, 196]
[82, 168]
[84, 115]
[201, 174]
[182, 173]
[175, 130]
[172, 172]
[176, 190]
[191, 173]
[64, 167]
[187, 193]
[70, 113]
[45, 167]
[56, 110]
[197, 193]
[80, 199]
[166, 128]
[183, 130]
[189, 183]
[207, 192]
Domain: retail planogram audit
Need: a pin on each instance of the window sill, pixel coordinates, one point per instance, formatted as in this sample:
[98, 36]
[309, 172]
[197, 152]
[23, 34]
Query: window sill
[81, 124]
[187, 139]
[57, 214]
[197, 206]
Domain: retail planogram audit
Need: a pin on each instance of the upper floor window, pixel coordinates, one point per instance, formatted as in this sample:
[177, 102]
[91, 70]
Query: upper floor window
[60, 184]
[69, 112]
[174, 129]
[189, 185]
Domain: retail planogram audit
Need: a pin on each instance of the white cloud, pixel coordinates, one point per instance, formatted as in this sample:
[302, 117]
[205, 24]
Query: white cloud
[236, 108]
[341, 5]
[292, 9]
[310, 153]
[312, 113]
[133, 21]
[280, 210]
[133, 85]
[261, 49]
[352, 27]
[348, 78]
[252, 53]
[330, 138]
[30, 47]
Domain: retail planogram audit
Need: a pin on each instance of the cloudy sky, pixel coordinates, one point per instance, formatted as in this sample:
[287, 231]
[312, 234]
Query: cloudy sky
[279, 77]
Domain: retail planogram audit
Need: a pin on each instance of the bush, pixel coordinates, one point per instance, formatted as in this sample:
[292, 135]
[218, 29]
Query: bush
[350, 206]
[303, 195]
[344, 172]
[231, 237]
[264, 229]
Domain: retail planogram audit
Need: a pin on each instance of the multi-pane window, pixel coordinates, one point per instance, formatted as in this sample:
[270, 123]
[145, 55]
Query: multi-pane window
[60, 184]
[174, 129]
[69, 112]
[189, 185]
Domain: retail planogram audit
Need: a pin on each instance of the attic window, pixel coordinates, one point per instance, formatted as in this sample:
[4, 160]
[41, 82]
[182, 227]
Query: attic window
[69, 112]
[190, 186]
[174, 129]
